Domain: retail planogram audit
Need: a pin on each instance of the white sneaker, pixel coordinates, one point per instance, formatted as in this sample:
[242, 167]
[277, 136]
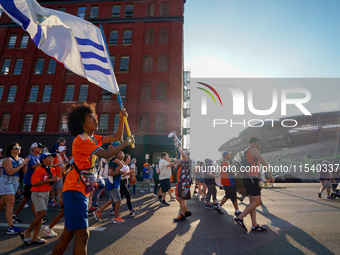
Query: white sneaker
[172, 198]
[142, 191]
[49, 232]
[26, 206]
[154, 195]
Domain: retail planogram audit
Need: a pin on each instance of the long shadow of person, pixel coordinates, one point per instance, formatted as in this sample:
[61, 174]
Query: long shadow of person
[291, 240]
[160, 246]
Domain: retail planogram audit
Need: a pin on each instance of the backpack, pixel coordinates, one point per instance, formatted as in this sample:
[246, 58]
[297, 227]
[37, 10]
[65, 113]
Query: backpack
[240, 158]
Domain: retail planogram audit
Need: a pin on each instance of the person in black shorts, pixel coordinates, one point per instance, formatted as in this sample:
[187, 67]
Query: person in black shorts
[251, 183]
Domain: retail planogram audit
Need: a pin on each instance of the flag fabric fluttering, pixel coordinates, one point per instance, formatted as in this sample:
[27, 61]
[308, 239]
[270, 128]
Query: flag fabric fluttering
[74, 42]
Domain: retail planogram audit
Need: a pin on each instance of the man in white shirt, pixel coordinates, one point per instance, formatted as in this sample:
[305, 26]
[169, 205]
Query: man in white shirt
[164, 175]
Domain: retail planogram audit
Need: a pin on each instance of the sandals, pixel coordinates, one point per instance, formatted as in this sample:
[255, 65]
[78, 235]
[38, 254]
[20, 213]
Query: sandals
[26, 240]
[40, 241]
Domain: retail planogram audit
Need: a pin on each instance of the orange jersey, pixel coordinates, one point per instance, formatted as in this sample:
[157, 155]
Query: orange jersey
[58, 169]
[83, 150]
[40, 174]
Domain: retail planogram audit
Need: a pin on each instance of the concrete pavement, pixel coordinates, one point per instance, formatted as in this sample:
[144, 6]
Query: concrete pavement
[298, 222]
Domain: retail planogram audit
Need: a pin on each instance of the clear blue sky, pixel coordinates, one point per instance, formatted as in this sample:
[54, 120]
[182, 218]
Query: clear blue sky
[262, 38]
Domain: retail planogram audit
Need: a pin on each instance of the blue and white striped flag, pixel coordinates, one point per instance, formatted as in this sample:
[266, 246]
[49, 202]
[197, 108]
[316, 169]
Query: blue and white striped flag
[75, 42]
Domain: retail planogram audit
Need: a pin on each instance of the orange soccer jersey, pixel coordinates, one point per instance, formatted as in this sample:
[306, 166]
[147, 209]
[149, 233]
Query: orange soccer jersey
[40, 174]
[58, 169]
[83, 150]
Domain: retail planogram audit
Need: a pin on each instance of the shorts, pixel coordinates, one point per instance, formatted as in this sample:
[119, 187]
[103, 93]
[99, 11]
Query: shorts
[9, 184]
[165, 185]
[115, 195]
[40, 200]
[58, 184]
[183, 192]
[133, 179]
[146, 181]
[326, 184]
[252, 186]
[27, 191]
[75, 208]
[230, 192]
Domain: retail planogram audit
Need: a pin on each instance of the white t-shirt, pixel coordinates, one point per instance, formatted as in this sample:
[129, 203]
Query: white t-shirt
[104, 168]
[125, 170]
[165, 172]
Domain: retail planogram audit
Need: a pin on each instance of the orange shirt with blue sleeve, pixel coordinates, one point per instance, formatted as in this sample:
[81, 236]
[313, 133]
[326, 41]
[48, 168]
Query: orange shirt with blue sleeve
[40, 174]
[83, 150]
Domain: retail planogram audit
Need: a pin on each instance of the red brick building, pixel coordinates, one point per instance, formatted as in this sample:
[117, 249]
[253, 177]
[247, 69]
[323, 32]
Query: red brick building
[145, 41]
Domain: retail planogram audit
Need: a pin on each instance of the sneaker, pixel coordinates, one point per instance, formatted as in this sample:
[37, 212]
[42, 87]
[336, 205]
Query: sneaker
[215, 205]
[13, 230]
[49, 232]
[199, 197]
[154, 195]
[54, 203]
[97, 215]
[209, 207]
[319, 194]
[133, 213]
[188, 214]
[44, 221]
[135, 194]
[329, 197]
[195, 192]
[172, 199]
[151, 190]
[112, 211]
[258, 229]
[180, 218]
[26, 206]
[241, 224]
[219, 209]
[118, 220]
[16, 219]
[237, 213]
[205, 201]
[142, 191]
[164, 203]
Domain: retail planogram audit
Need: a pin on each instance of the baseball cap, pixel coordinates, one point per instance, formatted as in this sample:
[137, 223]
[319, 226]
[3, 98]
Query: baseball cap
[44, 155]
[225, 154]
[61, 148]
[146, 164]
[254, 139]
[35, 144]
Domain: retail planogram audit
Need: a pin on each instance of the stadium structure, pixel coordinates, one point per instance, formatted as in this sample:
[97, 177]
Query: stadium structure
[297, 150]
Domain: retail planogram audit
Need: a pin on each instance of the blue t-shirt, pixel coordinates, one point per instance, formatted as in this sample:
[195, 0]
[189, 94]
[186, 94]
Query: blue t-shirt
[116, 179]
[14, 164]
[34, 160]
[145, 174]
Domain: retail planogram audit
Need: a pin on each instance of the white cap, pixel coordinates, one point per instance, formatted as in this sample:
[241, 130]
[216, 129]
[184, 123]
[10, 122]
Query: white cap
[37, 145]
[61, 148]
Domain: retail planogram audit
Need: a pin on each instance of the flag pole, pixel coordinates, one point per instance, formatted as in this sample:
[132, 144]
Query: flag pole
[118, 94]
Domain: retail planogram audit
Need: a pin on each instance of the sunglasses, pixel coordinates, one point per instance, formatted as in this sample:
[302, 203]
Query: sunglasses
[16, 148]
